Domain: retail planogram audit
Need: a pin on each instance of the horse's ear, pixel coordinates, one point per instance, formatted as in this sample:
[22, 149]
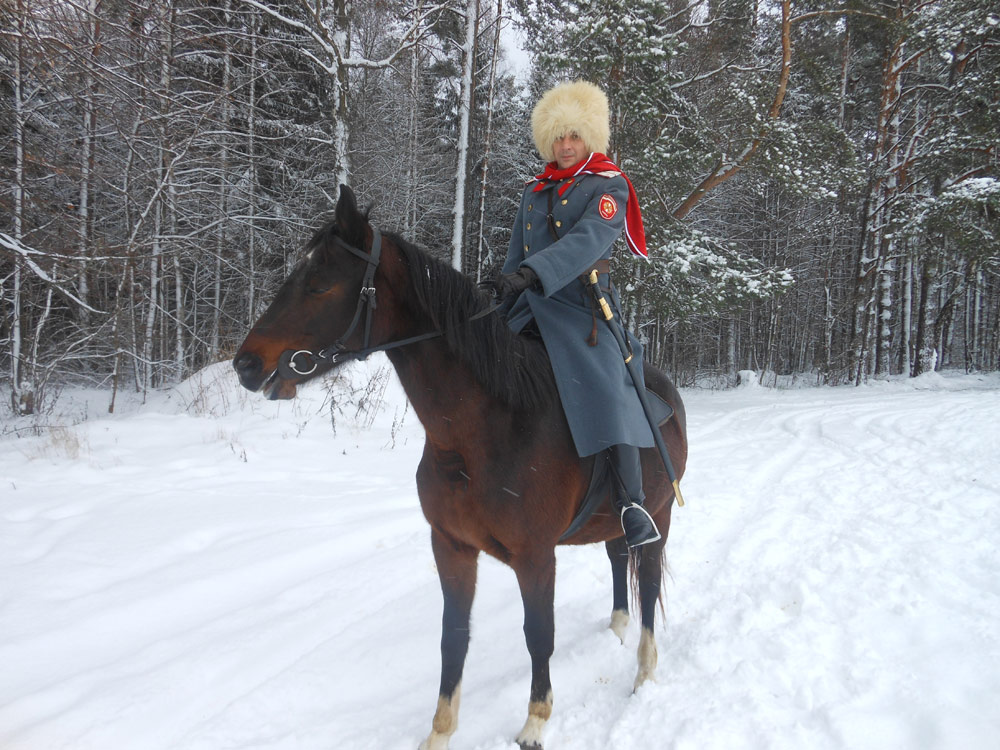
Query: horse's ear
[350, 221]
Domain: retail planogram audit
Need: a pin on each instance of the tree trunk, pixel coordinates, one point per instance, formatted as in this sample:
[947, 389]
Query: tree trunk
[884, 342]
[975, 358]
[92, 28]
[465, 116]
[414, 139]
[221, 236]
[252, 165]
[886, 158]
[22, 394]
[926, 354]
[906, 364]
[486, 262]
[341, 89]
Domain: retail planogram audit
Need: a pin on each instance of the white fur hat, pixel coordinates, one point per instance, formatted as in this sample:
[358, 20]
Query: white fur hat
[574, 107]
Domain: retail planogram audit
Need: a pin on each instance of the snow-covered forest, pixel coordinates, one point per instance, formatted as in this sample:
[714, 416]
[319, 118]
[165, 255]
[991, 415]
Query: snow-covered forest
[818, 178]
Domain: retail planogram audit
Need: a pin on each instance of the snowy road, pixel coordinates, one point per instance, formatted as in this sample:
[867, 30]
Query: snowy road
[204, 572]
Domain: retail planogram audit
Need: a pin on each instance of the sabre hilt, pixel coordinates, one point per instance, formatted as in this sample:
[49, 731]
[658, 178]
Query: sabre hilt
[599, 296]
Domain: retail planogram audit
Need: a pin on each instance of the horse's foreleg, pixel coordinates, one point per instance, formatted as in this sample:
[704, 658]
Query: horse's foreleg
[618, 555]
[649, 560]
[456, 564]
[537, 578]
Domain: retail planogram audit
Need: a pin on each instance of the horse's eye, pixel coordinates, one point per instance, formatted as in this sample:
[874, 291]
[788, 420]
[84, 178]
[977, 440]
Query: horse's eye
[316, 290]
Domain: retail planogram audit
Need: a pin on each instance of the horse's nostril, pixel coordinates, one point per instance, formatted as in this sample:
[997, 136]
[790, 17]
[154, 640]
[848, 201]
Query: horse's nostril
[247, 364]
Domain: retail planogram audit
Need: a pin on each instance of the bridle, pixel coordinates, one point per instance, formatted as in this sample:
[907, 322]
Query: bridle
[297, 363]
[302, 362]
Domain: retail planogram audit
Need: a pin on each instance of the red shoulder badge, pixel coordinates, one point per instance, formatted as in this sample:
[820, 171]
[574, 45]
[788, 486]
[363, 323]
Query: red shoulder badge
[608, 206]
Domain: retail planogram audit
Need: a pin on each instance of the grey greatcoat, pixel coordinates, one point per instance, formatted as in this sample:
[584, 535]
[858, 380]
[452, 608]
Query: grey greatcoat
[595, 388]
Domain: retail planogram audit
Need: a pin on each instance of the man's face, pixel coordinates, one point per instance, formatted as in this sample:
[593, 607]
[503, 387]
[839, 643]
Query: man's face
[569, 150]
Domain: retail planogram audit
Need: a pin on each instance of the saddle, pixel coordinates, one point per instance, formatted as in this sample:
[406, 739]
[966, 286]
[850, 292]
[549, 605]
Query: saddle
[604, 481]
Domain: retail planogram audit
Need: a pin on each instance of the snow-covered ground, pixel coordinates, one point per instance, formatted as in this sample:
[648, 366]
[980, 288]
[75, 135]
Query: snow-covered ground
[211, 571]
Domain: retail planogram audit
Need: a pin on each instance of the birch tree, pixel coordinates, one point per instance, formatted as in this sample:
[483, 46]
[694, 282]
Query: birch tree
[22, 392]
[471, 24]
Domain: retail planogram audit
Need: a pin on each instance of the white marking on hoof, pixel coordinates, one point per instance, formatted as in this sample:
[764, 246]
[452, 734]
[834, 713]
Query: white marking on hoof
[647, 658]
[619, 623]
[530, 737]
[445, 722]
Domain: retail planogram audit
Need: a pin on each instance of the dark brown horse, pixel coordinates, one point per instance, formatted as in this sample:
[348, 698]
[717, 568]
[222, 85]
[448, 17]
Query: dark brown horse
[499, 473]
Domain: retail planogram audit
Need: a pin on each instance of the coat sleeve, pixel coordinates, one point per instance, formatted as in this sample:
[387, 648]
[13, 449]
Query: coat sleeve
[590, 239]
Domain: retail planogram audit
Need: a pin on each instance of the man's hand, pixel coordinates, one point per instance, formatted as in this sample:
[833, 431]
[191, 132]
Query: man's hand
[508, 284]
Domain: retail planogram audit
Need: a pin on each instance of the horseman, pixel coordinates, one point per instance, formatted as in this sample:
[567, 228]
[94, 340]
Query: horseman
[569, 219]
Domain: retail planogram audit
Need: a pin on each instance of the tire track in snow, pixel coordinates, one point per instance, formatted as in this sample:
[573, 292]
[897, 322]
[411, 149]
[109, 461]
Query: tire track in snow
[817, 578]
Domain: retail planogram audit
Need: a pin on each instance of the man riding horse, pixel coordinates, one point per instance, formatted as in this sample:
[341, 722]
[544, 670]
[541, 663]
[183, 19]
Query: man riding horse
[501, 471]
[570, 217]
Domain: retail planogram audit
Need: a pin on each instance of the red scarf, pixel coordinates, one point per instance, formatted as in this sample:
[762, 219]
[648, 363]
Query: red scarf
[635, 234]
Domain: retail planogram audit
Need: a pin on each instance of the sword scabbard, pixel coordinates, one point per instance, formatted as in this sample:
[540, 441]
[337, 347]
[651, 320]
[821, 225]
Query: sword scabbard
[677, 493]
[661, 447]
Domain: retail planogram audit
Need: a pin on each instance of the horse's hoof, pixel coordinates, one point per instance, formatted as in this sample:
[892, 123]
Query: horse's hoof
[435, 742]
[641, 679]
[530, 736]
[647, 658]
[619, 623]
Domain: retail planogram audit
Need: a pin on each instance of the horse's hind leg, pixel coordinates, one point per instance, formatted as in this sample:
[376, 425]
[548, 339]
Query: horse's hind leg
[537, 577]
[649, 560]
[618, 555]
[456, 564]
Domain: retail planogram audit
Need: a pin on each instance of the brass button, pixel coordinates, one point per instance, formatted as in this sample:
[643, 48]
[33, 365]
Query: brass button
[529, 225]
[565, 201]
[558, 223]
[530, 206]
[525, 248]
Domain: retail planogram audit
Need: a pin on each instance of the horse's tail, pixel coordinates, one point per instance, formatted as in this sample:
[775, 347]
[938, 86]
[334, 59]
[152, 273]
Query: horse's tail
[648, 563]
[638, 558]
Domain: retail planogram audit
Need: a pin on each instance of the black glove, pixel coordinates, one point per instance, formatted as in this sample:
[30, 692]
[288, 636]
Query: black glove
[508, 284]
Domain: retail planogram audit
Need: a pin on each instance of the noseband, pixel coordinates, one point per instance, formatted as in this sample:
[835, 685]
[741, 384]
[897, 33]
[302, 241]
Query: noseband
[298, 363]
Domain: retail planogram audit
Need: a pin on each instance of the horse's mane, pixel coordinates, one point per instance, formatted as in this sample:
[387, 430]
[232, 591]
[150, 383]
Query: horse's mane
[513, 369]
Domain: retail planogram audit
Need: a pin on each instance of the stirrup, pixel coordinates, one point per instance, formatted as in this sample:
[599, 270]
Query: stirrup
[641, 529]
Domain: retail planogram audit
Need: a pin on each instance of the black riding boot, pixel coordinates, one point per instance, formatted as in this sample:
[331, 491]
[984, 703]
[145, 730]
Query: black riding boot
[636, 522]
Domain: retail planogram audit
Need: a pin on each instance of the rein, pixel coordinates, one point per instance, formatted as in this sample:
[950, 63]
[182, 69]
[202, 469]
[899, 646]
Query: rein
[301, 362]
